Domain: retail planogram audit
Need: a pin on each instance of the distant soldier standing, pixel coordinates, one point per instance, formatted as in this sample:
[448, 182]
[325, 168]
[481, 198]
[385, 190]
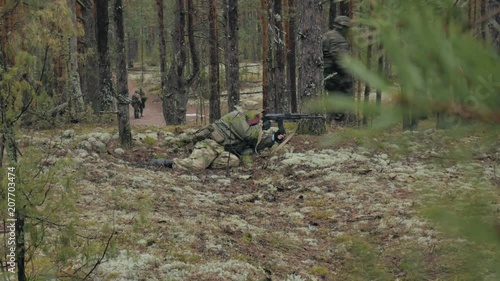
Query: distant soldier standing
[144, 97]
[335, 46]
[137, 104]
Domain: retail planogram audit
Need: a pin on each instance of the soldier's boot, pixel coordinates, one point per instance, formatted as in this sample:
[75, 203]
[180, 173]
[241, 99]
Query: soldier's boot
[162, 162]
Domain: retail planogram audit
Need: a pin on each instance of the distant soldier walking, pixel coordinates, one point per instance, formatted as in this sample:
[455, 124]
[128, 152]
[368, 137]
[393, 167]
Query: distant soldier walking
[137, 104]
[335, 46]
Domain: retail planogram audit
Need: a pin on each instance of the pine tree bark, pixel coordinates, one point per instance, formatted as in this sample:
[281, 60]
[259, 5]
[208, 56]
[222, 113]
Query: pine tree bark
[175, 97]
[124, 131]
[270, 62]
[8, 140]
[311, 61]
[73, 88]
[232, 61]
[162, 48]
[90, 68]
[106, 90]
[332, 13]
[270, 99]
[214, 102]
[291, 55]
[265, 51]
[282, 100]
[367, 86]
[493, 8]
[131, 50]
[344, 8]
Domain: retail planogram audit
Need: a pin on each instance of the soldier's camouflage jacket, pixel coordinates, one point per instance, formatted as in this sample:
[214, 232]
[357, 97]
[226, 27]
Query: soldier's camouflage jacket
[335, 46]
[233, 133]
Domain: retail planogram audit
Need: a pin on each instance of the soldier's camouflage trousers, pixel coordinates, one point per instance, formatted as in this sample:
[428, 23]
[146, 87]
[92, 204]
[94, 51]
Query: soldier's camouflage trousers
[207, 153]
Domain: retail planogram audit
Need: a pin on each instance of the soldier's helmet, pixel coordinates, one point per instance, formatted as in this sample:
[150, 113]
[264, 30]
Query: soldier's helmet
[251, 107]
[341, 22]
[137, 91]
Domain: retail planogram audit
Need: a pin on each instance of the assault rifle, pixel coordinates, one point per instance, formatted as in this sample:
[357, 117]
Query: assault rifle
[279, 117]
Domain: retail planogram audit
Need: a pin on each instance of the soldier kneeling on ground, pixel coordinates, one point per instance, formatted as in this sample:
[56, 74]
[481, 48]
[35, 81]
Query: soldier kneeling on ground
[218, 145]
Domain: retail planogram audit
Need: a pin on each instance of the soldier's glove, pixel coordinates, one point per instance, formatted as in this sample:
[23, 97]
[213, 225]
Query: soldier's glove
[266, 125]
[276, 139]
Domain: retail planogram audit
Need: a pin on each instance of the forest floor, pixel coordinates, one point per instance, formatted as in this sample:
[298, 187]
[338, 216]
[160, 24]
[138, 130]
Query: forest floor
[348, 205]
[335, 207]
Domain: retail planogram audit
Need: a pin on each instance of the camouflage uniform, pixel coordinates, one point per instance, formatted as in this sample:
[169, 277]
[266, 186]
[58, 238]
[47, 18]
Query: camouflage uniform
[144, 97]
[136, 104]
[225, 138]
[335, 46]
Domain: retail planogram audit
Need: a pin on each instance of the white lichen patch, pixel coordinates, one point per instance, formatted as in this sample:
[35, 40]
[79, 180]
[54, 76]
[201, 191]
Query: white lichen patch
[235, 223]
[126, 266]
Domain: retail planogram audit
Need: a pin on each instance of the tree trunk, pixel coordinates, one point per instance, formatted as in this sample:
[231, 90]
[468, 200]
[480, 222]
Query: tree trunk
[265, 51]
[2, 137]
[282, 99]
[7, 22]
[162, 48]
[20, 245]
[494, 32]
[311, 61]
[90, 68]
[410, 122]
[271, 63]
[332, 13]
[74, 89]
[291, 56]
[344, 8]
[195, 68]
[214, 103]
[142, 56]
[122, 87]
[105, 83]
[150, 41]
[232, 62]
[10, 144]
[367, 86]
[175, 98]
[131, 50]
[381, 72]
[483, 24]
